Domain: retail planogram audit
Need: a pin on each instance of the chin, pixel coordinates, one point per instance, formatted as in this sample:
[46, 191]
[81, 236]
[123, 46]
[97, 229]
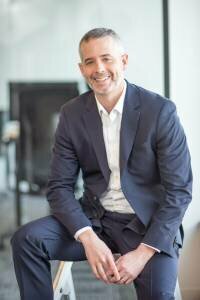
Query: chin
[101, 92]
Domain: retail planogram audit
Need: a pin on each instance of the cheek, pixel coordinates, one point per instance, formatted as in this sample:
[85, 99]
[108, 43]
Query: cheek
[117, 73]
[117, 69]
[86, 74]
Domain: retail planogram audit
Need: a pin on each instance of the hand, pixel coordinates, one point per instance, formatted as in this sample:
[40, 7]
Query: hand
[99, 257]
[132, 263]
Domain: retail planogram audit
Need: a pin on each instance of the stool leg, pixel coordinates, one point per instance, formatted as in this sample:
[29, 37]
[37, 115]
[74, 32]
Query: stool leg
[63, 283]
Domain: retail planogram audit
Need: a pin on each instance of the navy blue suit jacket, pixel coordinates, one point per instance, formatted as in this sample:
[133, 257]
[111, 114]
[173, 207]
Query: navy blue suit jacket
[155, 168]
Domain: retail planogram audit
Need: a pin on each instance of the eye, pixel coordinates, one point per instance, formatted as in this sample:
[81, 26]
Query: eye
[107, 59]
[88, 62]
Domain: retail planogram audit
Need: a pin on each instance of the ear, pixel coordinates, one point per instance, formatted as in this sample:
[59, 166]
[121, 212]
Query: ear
[125, 60]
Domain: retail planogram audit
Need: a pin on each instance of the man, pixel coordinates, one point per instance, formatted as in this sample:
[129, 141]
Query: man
[132, 151]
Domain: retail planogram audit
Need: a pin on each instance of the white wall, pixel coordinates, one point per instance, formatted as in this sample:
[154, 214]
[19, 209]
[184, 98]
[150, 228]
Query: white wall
[185, 86]
[40, 39]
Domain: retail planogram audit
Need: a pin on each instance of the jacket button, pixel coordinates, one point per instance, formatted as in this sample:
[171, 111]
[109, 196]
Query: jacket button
[95, 197]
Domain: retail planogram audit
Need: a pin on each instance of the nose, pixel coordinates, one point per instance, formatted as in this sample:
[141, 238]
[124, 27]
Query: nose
[100, 67]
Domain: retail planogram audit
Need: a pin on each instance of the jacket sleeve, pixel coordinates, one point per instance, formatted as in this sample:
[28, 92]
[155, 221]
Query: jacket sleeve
[64, 171]
[173, 160]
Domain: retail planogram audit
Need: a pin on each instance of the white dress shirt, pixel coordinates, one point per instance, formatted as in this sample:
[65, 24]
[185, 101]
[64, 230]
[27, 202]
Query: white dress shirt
[113, 198]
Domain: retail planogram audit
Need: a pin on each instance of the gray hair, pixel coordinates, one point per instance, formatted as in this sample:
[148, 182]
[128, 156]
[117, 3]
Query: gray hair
[101, 32]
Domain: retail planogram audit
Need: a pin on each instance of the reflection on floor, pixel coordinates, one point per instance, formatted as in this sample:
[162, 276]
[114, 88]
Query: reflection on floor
[86, 286]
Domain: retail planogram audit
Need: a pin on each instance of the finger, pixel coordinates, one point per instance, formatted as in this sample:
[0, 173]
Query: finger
[123, 280]
[112, 279]
[128, 281]
[110, 276]
[114, 269]
[95, 272]
[118, 266]
[123, 276]
[101, 273]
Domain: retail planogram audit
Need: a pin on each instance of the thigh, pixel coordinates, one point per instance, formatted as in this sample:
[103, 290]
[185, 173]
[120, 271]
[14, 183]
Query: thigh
[158, 279]
[49, 235]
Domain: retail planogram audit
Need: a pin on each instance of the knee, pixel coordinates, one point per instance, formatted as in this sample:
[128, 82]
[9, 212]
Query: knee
[21, 236]
[18, 238]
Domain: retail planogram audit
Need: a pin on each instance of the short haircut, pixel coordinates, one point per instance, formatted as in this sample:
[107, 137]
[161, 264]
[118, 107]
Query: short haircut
[101, 32]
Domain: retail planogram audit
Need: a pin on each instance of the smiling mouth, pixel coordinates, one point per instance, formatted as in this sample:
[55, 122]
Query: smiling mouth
[101, 79]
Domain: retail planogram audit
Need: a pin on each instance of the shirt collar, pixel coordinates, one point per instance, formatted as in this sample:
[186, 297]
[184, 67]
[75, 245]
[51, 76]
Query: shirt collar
[118, 106]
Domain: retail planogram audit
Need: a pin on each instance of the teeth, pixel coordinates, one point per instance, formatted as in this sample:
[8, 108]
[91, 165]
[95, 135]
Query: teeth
[101, 79]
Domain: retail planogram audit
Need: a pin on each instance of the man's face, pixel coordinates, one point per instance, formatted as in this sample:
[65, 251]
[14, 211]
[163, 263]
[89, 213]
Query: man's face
[102, 65]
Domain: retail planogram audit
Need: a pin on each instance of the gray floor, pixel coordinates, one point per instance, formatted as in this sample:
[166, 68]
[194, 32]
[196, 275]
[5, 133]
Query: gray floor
[86, 286]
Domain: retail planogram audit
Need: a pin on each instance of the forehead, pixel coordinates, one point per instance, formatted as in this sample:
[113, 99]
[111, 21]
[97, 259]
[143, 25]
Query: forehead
[99, 46]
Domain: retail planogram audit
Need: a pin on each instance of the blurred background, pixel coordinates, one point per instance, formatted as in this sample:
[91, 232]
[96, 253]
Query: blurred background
[39, 72]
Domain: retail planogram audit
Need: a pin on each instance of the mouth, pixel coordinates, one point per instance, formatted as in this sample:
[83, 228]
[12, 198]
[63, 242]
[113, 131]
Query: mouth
[101, 79]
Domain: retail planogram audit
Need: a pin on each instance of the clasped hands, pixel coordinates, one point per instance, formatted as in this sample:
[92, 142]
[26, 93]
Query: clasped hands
[123, 270]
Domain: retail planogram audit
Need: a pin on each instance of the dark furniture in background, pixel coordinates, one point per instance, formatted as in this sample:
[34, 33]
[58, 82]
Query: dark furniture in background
[36, 106]
[3, 119]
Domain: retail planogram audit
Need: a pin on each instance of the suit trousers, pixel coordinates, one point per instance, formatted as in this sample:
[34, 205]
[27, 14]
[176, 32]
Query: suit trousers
[45, 239]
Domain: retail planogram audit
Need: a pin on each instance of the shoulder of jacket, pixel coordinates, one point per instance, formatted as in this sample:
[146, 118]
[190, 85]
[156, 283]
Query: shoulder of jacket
[75, 104]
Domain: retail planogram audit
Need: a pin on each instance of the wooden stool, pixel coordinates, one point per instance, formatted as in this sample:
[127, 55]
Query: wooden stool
[63, 285]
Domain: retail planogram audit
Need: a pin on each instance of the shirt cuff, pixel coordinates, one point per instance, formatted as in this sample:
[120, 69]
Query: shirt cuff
[81, 231]
[156, 249]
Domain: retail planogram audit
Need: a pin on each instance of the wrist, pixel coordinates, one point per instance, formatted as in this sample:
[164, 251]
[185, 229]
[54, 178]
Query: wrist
[86, 236]
[146, 251]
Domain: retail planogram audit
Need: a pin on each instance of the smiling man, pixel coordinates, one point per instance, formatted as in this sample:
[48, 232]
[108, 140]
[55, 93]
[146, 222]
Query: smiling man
[132, 151]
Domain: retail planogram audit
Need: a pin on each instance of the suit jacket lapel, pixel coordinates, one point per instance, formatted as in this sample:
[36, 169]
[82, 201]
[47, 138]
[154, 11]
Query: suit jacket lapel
[129, 124]
[94, 127]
